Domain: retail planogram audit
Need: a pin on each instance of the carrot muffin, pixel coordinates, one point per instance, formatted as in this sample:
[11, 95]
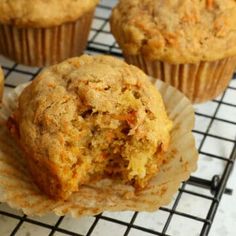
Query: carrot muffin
[1, 84]
[189, 44]
[40, 33]
[88, 118]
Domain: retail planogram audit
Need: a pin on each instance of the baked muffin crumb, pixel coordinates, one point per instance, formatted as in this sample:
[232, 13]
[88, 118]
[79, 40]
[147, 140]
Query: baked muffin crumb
[89, 118]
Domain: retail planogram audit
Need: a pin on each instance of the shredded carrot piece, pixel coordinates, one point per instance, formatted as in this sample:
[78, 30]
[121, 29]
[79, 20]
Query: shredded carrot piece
[209, 4]
[130, 117]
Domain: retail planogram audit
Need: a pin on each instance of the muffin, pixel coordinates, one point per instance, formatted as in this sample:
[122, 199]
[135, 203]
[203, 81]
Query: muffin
[20, 192]
[188, 44]
[40, 33]
[90, 118]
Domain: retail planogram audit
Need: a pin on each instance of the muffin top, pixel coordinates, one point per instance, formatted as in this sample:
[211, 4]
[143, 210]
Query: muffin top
[41, 13]
[176, 31]
[1, 84]
[93, 116]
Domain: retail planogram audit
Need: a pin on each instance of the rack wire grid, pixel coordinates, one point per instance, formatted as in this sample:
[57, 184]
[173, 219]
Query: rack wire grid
[193, 208]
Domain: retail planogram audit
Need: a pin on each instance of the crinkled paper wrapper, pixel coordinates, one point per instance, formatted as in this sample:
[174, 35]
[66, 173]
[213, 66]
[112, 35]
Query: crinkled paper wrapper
[200, 82]
[18, 190]
[1, 85]
[45, 46]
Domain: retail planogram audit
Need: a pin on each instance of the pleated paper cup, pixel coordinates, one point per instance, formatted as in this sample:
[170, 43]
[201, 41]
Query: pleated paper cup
[1, 85]
[45, 46]
[18, 190]
[200, 82]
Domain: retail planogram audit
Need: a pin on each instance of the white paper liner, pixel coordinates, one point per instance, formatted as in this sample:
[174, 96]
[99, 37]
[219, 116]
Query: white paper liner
[18, 190]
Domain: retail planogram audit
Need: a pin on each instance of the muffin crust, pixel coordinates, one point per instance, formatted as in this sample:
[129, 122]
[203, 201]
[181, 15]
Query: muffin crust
[176, 31]
[41, 13]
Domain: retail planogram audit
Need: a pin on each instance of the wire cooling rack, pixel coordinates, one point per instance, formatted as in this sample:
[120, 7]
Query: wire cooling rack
[193, 208]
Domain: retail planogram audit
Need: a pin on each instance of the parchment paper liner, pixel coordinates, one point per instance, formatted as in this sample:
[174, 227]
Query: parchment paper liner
[1, 84]
[45, 46]
[18, 190]
[200, 82]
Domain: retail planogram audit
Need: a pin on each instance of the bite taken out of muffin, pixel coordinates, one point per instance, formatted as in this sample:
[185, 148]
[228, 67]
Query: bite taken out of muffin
[90, 118]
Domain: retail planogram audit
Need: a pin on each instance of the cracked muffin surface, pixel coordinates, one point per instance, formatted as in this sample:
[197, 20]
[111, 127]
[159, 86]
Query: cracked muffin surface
[89, 118]
[41, 13]
[176, 31]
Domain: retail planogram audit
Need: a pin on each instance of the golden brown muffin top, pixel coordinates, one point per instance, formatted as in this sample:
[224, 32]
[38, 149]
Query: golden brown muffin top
[1, 83]
[93, 115]
[43, 13]
[176, 31]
